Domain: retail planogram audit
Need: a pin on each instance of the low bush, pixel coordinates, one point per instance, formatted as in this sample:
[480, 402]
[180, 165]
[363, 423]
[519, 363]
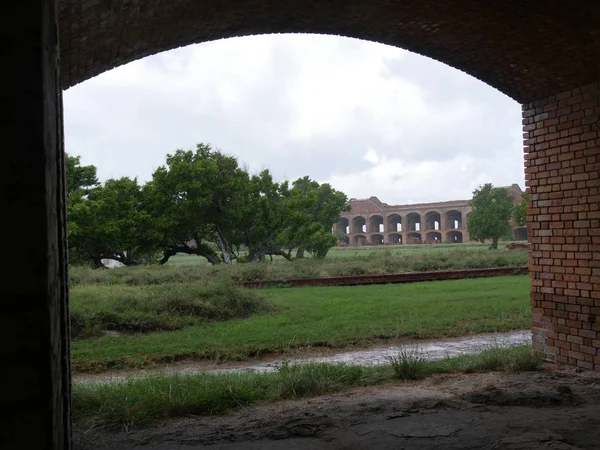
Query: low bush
[375, 262]
[141, 309]
[408, 364]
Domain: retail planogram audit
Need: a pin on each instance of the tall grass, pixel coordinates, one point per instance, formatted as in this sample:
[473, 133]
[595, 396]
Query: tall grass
[134, 309]
[376, 262]
[140, 402]
[408, 364]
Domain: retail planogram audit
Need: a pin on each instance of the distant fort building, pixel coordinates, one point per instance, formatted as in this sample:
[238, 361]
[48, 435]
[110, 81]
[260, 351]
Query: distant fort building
[371, 222]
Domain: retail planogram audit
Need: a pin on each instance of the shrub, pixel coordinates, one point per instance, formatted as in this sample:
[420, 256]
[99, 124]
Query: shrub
[164, 307]
[302, 380]
[408, 364]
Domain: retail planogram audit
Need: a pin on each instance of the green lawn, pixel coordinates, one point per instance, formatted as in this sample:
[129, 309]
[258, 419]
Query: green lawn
[327, 316]
[183, 260]
[346, 252]
[416, 249]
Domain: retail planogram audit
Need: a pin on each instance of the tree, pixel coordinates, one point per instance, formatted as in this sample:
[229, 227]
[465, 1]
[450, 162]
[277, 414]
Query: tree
[312, 209]
[80, 179]
[263, 218]
[110, 223]
[197, 196]
[519, 213]
[200, 202]
[490, 219]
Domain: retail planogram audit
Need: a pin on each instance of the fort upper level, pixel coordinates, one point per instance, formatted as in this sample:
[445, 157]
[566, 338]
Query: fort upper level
[372, 222]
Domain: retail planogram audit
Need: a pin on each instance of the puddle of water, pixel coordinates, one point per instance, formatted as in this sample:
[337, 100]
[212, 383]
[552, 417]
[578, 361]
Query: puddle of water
[430, 350]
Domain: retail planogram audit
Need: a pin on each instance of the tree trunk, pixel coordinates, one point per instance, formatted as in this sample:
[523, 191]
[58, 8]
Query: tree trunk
[300, 253]
[97, 262]
[494, 245]
[199, 251]
[260, 253]
[222, 244]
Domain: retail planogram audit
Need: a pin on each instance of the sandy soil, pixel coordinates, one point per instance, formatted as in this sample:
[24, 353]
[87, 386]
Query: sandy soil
[556, 409]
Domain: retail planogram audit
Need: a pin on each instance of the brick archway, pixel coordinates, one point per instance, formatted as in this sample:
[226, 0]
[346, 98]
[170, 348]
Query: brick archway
[470, 35]
[545, 55]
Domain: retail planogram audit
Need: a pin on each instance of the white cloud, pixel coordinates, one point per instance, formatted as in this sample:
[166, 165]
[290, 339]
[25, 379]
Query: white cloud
[369, 118]
[371, 156]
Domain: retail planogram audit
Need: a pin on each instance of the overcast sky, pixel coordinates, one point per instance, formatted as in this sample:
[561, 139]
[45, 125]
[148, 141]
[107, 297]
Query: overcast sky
[369, 119]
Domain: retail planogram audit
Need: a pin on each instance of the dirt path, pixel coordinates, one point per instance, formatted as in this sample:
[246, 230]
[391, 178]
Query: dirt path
[557, 409]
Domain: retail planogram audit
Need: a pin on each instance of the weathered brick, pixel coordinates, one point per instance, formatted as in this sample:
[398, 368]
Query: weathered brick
[561, 235]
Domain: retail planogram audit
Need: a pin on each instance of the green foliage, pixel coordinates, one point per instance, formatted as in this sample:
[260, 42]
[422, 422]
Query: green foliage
[519, 213]
[197, 195]
[490, 218]
[338, 263]
[305, 380]
[521, 358]
[263, 218]
[110, 222]
[311, 211]
[80, 179]
[321, 316]
[408, 364]
[202, 203]
[139, 402]
[142, 309]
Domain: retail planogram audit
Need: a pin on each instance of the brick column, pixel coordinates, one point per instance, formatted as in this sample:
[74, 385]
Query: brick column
[33, 311]
[562, 153]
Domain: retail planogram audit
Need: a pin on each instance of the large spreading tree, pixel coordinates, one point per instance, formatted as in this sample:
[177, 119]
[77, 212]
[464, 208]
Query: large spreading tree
[200, 202]
[196, 197]
[490, 218]
[111, 223]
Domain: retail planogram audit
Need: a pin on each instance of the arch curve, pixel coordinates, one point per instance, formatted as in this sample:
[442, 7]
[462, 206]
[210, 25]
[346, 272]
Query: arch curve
[470, 35]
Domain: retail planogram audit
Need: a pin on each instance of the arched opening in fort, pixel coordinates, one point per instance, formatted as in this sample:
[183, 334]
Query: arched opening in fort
[394, 222]
[345, 241]
[434, 237]
[520, 234]
[359, 240]
[453, 220]
[376, 224]
[433, 220]
[377, 239]
[454, 237]
[344, 225]
[395, 238]
[554, 72]
[359, 224]
[414, 238]
[413, 222]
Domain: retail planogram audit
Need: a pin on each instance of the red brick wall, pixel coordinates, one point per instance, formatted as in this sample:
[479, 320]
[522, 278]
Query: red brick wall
[562, 165]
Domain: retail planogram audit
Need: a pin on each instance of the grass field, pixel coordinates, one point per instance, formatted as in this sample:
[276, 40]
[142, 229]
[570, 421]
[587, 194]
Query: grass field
[355, 262]
[321, 316]
[140, 402]
[350, 252]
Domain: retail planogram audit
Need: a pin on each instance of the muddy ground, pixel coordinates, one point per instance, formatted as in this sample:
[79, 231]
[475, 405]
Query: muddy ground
[556, 409]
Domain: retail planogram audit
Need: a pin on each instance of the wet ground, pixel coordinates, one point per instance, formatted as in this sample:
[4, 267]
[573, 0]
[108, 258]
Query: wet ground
[430, 349]
[551, 410]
